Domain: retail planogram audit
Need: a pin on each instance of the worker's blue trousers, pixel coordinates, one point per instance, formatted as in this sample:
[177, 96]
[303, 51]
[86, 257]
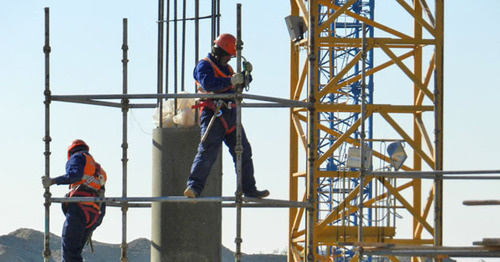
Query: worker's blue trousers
[75, 233]
[209, 150]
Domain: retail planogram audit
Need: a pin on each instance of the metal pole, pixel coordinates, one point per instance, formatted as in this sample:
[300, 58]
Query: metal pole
[160, 62]
[362, 142]
[175, 54]
[438, 103]
[196, 32]
[239, 147]
[167, 51]
[196, 44]
[311, 142]
[47, 195]
[217, 15]
[183, 55]
[125, 109]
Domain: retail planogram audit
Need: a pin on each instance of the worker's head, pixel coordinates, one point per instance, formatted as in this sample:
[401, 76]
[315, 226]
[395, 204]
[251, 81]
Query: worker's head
[224, 48]
[76, 146]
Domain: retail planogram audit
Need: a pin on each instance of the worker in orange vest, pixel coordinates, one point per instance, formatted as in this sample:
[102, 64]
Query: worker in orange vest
[85, 178]
[213, 74]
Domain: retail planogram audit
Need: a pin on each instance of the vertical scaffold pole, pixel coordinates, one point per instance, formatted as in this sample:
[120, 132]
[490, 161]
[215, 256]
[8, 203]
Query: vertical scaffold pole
[362, 136]
[239, 147]
[183, 52]
[46, 138]
[159, 77]
[438, 111]
[311, 132]
[125, 108]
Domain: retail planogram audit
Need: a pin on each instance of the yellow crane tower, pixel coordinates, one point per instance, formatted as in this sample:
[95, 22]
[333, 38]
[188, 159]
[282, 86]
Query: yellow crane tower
[339, 160]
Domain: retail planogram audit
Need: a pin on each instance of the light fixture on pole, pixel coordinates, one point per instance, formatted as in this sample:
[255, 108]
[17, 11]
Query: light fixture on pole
[296, 27]
[397, 154]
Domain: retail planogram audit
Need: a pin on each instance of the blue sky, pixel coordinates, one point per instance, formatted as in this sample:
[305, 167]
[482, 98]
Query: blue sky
[86, 59]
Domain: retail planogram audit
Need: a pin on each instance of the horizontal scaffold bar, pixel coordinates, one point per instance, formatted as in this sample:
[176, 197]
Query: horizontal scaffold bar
[440, 174]
[91, 99]
[434, 251]
[227, 201]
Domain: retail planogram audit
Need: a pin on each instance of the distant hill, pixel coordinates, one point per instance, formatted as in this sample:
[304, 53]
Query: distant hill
[26, 245]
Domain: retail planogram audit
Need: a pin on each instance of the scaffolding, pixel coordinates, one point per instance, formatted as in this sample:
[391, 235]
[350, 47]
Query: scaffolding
[108, 100]
[304, 244]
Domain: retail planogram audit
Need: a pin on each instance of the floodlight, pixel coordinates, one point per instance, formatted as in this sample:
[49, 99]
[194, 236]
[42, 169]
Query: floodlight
[296, 27]
[397, 154]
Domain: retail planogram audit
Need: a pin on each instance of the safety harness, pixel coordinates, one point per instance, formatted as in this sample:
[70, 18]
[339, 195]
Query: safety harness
[218, 104]
[90, 185]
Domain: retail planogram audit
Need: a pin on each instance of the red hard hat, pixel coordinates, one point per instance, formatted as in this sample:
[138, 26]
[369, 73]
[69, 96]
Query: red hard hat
[227, 42]
[75, 143]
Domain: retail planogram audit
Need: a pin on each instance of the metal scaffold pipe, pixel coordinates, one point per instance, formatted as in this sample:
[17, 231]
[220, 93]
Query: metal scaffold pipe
[238, 148]
[47, 139]
[362, 142]
[250, 202]
[159, 79]
[311, 132]
[125, 110]
[439, 123]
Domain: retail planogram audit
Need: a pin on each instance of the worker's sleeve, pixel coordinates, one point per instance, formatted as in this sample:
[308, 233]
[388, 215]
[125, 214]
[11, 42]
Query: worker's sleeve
[204, 74]
[74, 170]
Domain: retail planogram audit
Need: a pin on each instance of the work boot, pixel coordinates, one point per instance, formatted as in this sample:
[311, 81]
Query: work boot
[258, 193]
[190, 192]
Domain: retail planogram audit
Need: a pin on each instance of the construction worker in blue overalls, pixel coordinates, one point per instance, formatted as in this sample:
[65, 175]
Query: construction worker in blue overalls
[85, 178]
[214, 75]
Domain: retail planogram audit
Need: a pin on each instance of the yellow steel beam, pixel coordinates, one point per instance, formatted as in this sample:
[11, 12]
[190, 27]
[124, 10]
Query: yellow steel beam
[351, 80]
[329, 232]
[408, 72]
[425, 134]
[298, 218]
[335, 15]
[406, 204]
[300, 84]
[408, 139]
[353, 142]
[427, 79]
[374, 108]
[417, 17]
[428, 12]
[334, 215]
[427, 208]
[353, 209]
[297, 127]
[302, 7]
[339, 141]
[293, 144]
[364, 19]
[339, 76]
[377, 42]
[417, 126]
[393, 258]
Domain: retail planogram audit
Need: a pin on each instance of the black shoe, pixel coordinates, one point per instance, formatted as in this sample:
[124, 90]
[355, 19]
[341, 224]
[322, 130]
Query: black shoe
[258, 193]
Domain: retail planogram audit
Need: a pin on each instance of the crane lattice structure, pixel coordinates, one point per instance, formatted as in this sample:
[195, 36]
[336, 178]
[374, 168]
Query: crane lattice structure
[336, 74]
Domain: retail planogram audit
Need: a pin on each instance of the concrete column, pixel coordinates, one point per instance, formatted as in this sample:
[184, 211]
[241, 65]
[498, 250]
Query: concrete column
[183, 231]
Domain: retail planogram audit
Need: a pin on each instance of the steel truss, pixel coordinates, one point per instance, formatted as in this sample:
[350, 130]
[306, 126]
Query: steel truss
[336, 75]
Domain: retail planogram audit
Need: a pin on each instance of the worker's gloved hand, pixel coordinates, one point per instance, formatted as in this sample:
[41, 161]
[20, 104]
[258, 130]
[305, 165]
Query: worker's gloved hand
[247, 66]
[47, 181]
[237, 79]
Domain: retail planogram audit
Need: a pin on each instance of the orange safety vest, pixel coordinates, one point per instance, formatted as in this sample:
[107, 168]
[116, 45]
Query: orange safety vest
[94, 177]
[217, 73]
